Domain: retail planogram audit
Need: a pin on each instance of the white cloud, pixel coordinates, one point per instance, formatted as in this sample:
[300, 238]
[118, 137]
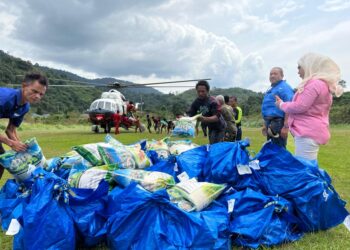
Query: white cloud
[234, 43]
[129, 44]
[334, 5]
[257, 24]
[287, 7]
[331, 42]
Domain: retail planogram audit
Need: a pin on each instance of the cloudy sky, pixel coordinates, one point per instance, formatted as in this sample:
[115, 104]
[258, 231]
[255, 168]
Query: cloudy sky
[233, 42]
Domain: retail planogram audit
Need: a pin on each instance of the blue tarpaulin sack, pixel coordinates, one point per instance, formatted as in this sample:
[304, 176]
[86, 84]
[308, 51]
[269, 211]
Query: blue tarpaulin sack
[223, 159]
[280, 171]
[249, 180]
[88, 209]
[217, 219]
[193, 161]
[46, 223]
[259, 220]
[140, 219]
[317, 204]
[153, 156]
[10, 203]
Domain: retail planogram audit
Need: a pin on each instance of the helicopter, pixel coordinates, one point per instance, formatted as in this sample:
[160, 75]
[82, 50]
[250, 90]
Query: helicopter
[102, 110]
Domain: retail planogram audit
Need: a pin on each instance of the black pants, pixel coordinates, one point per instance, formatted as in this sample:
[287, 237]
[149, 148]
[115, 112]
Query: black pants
[204, 128]
[276, 125]
[239, 133]
[149, 126]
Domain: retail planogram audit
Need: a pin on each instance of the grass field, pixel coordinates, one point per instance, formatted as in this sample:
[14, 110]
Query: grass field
[334, 158]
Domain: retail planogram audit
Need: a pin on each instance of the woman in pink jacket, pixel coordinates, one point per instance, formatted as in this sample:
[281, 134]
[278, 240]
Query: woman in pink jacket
[308, 112]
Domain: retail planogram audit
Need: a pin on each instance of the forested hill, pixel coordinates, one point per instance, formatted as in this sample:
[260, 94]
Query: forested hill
[76, 99]
[60, 99]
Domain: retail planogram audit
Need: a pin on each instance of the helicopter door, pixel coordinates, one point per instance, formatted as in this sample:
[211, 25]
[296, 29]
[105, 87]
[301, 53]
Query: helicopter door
[114, 108]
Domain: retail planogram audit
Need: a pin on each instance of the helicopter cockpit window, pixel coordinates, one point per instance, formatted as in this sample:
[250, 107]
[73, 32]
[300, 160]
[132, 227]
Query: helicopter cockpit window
[93, 105]
[108, 106]
[100, 105]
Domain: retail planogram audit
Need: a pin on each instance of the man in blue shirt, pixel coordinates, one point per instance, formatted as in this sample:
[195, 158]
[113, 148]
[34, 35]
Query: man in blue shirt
[275, 120]
[14, 104]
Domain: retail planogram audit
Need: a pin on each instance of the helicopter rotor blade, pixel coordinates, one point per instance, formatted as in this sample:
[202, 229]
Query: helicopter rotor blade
[162, 86]
[92, 84]
[72, 86]
[159, 83]
[115, 84]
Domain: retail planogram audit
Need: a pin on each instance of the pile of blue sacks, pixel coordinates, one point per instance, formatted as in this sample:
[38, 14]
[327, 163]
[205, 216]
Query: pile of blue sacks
[270, 199]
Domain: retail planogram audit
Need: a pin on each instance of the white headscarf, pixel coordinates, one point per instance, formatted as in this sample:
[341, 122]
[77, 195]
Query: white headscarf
[220, 99]
[320, 67]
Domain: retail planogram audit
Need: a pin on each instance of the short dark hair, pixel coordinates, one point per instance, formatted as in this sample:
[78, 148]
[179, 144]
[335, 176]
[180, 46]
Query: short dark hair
[31, 77]
[226, 98]
[279, 69]
[203, 83]
[234, 98]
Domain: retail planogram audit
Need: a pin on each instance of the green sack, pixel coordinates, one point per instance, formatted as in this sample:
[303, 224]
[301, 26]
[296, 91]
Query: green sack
[98, 154]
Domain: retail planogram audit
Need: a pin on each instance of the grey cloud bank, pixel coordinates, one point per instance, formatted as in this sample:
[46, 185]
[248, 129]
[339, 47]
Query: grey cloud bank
[149, 40]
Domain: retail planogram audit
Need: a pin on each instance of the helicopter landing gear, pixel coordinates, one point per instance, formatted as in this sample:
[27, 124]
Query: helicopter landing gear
[107, 128]
[95, 128]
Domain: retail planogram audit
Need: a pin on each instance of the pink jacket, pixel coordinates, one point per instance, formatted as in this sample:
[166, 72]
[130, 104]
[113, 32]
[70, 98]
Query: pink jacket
[309, 112]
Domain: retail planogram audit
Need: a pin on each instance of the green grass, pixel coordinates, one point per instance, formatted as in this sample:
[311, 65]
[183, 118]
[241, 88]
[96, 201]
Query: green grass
[334, 158]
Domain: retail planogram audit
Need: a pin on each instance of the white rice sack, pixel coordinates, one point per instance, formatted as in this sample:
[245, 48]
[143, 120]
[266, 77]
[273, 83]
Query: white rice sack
[192, 195]
[185, 126]
[149, 180]
[131, 156]
[89, 178]
[178, 147]
[140, 157]
[161, 147]
[22, 164]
